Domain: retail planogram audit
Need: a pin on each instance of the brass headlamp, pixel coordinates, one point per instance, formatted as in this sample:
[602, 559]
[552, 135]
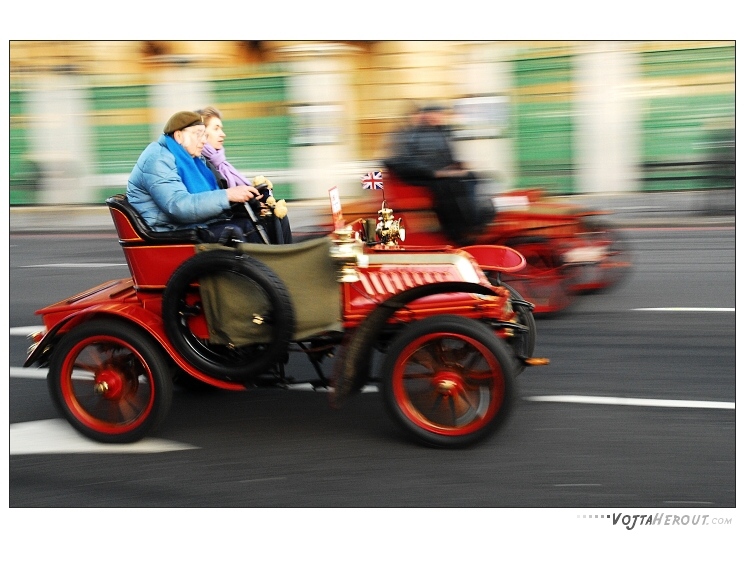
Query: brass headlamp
[346, 250]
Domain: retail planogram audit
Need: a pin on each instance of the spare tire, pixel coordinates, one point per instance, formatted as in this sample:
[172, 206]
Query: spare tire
[182, 302]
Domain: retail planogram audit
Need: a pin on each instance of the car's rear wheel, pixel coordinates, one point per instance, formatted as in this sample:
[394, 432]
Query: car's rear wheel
[111, 381]
[447, 380]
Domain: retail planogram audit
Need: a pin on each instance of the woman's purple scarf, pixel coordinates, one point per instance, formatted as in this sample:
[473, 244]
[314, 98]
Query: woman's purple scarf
[217, 159]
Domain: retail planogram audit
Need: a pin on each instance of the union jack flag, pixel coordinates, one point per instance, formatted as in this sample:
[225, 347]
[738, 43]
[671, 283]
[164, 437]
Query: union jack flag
[372, 180]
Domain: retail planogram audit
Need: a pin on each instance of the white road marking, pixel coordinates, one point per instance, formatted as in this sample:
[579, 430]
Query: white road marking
[683, 309]
[621, 401]
[56, 436]
[24, 331]
[28, 373]
[37, 373]
[309, 387]
[76, 265]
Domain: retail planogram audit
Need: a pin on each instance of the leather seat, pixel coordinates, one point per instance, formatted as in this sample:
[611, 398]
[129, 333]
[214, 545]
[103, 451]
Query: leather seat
[138, 226]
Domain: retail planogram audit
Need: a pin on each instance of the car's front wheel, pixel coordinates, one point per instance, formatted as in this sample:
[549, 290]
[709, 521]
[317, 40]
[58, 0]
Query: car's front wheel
[447, 380]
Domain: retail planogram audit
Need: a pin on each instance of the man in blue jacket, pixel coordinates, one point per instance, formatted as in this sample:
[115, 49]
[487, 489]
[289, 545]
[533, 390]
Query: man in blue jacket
[172, 187]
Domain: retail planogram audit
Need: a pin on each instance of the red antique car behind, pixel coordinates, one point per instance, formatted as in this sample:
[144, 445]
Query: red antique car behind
[568, 250]
[452, 342]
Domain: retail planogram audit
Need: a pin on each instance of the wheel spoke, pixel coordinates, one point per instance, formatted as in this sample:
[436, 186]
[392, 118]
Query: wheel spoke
[455, 352]
[425, 357]
[106, 410]
[436, 403]
[453, 412]
[87, 398]
[79, 366]
[83, 375]
[441, 352]
[470, 359]
[465, 396]
[420, 376]
[95, 354]
[127, 410]
[479, 376]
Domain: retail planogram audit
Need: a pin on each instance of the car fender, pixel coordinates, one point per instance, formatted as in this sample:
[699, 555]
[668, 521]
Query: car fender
[353, 372]
[134, 314]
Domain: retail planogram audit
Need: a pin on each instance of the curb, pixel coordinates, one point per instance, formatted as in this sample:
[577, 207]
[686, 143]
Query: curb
[673, 209]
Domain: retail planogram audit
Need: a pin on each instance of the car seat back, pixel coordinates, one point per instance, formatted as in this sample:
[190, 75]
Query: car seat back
[152, 256]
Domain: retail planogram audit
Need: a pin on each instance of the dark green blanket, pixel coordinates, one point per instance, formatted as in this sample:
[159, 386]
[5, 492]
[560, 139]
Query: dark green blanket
[308, 272]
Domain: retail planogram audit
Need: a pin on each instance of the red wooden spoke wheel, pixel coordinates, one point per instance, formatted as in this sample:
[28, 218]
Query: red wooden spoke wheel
[110, 381]
[448, 380]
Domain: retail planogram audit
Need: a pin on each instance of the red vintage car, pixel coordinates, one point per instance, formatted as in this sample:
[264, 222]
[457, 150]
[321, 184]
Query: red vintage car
[568, 250]
[229, 315]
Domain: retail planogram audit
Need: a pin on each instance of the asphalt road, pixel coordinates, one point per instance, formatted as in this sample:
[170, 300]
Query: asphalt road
[280, 448]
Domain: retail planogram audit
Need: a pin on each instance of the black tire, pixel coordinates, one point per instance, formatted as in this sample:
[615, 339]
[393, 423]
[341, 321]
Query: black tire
[522, 343]
[222, 361]
[111, 381]
[546, 280]
[617, 266]
[448, 381]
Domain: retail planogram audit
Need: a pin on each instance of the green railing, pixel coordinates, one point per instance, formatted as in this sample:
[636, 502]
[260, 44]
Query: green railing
[688, 132]
[119, 123]
[257, 124]
[543, 123]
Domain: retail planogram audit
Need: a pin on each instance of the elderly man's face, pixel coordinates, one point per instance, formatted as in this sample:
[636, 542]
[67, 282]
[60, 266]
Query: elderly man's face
[192, 139]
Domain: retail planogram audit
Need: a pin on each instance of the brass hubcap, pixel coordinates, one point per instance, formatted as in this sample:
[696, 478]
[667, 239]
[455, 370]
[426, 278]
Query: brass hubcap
[109, 384]
[446, 387]
[446, 383]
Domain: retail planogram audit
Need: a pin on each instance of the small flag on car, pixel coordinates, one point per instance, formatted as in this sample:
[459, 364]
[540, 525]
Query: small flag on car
[372, 180]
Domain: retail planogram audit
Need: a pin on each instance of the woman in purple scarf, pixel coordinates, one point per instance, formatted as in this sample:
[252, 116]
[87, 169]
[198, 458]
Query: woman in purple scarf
[227, 176]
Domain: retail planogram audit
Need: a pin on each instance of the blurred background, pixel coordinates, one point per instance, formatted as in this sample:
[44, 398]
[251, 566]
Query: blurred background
[579, 117]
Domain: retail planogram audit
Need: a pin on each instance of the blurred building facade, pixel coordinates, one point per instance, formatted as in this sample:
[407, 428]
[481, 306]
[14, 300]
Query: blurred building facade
[572, 117]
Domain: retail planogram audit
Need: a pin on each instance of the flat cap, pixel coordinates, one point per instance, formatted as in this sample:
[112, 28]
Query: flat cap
[433, 107]
[181, 120]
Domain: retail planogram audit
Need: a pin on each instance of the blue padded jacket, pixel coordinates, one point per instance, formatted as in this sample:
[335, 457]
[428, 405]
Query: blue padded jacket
[155, 189]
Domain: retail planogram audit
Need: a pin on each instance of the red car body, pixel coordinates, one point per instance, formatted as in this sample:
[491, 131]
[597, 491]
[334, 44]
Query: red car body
[452, 340]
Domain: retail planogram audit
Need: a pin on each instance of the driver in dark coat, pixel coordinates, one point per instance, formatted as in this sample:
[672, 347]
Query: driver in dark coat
[423, 155]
